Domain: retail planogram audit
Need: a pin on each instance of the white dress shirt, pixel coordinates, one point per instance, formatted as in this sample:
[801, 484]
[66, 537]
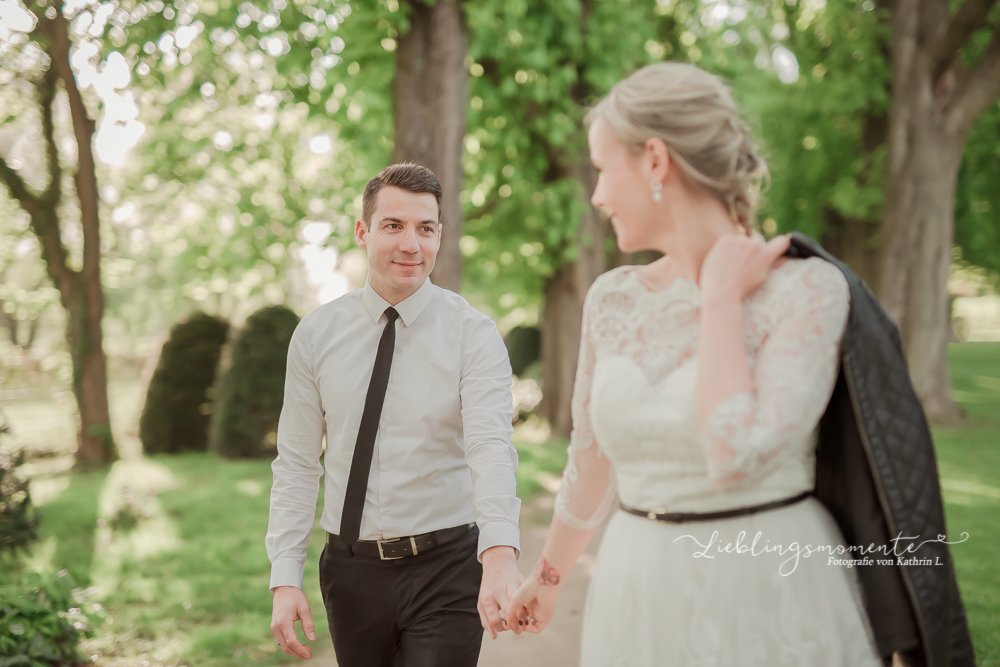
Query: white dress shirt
[443, 455]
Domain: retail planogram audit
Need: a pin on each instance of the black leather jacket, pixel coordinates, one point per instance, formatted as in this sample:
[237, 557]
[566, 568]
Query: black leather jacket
[877, 474]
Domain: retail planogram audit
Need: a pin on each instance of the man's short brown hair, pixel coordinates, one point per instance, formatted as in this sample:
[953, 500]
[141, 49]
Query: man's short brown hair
[405, 176]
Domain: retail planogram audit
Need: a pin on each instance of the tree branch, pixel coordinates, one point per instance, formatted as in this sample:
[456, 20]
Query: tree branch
[83, 131]
[970, 17]
[979, 87]
[43, 208]
[46, 98]
[19, 190]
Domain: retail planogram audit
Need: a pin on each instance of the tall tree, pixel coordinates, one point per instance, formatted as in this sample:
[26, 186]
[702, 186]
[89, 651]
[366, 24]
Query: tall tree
[822, 119]
[829, 136]
[430, 98]
[537, 66]
[945, 74]
[80, 289]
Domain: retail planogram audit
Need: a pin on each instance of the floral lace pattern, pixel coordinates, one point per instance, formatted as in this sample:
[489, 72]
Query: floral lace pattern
[634, 424]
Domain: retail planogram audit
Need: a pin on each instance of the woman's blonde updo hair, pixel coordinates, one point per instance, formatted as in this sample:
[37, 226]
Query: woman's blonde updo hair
[694, 114]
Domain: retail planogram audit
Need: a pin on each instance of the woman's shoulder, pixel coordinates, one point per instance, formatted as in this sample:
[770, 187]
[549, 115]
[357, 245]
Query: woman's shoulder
[808, 280]
[616, 279]
[815, 270]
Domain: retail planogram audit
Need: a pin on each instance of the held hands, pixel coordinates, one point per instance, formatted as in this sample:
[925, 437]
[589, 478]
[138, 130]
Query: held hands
[736, 265]
[534, 603]
[290, 605]
[500, 579]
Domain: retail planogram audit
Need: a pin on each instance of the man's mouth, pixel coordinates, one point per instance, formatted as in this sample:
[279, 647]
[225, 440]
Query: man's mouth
[408, 264]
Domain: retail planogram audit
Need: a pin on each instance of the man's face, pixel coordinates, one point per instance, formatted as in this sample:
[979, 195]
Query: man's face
[402, 242]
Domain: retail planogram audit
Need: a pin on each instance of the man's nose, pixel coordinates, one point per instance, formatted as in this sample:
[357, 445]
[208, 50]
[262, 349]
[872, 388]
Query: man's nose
[408, 242]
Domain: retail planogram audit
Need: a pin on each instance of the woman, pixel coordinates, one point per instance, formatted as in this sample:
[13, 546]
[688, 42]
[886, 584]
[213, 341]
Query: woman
[701, 379]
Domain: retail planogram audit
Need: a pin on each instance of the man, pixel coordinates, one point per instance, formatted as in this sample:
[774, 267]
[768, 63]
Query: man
[411, 387]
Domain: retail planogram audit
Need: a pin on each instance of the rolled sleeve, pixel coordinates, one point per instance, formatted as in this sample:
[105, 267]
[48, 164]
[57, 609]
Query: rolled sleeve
[297, 468]
[487, 415]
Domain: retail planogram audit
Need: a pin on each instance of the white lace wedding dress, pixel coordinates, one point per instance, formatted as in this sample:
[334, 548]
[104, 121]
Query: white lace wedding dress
[652, 600]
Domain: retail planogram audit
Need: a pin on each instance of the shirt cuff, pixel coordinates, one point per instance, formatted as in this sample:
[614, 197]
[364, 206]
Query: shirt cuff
[499, 534]
[287, 572]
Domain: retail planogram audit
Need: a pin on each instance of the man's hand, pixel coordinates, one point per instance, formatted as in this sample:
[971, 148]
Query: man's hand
[534, 603]
[290, 605]
[500, 579]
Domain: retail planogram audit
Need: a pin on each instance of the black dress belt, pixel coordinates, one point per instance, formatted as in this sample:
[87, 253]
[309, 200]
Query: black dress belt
[401, 547]
[682, 517]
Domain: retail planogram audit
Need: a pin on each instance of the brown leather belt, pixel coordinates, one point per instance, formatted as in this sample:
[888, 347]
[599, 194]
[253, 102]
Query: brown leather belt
[401, 547]
[682, 517]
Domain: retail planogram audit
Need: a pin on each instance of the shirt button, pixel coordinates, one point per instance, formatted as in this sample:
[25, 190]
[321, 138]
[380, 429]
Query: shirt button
[385, 511]
[385, 468]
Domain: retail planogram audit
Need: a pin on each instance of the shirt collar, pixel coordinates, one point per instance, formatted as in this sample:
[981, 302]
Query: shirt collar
[409, 308]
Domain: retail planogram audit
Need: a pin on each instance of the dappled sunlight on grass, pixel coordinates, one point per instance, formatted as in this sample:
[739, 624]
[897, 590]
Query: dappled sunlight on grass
[69, 521]
[41, 556]
[189, 583]
[969, 465]
[48, 489]
[133, 527]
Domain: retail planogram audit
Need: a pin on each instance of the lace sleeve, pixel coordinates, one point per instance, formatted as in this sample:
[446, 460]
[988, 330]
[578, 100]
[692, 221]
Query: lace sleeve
[794, 377]
[588, 483]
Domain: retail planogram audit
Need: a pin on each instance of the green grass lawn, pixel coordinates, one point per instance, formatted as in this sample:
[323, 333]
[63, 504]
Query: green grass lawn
[187, 585]
[969, 465]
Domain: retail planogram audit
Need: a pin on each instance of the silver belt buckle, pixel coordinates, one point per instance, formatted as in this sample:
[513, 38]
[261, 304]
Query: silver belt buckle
[381, 554]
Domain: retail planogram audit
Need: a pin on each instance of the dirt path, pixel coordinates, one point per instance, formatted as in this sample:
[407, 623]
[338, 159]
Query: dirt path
[559, 644]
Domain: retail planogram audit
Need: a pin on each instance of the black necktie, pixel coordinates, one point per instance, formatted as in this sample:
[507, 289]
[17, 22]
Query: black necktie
[357, 483]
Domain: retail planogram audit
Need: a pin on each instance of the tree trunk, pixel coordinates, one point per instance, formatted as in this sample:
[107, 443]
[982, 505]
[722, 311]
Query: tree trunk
[850, 241]
[85, 306]
[914, 277]
[562, 314]
[935, 100]
[80, 291]
[83, 336]
[429, 108]
[855, 241]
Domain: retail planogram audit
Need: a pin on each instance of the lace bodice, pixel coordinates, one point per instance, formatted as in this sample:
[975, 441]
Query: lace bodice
[634, 423]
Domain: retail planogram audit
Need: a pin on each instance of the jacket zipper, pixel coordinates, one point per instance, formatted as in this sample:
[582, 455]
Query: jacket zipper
[852, 391]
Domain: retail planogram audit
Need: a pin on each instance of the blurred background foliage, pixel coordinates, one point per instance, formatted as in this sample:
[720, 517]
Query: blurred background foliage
[260, 119]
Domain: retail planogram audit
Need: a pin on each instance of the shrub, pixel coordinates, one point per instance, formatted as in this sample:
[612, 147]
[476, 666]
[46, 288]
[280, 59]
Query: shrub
[250, 393]
[175, 417]
[18, 522]
[42, 620]
[524, 345]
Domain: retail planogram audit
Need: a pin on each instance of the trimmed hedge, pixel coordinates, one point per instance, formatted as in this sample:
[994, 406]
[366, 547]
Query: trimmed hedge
[250, 393]
[524, 346]
[175, 417]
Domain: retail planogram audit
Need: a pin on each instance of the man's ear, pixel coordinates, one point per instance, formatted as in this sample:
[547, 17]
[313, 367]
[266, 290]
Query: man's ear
[361, 234]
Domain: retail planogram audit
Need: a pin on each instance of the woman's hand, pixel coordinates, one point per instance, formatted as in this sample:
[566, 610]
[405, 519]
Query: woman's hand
[736, 265]
[534, 603]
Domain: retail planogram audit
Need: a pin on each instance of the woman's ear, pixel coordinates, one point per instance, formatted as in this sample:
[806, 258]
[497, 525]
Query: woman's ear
[658, 159]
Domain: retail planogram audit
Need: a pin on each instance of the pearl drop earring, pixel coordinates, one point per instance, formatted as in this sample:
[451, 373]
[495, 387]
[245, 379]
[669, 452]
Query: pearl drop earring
[656, 188]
